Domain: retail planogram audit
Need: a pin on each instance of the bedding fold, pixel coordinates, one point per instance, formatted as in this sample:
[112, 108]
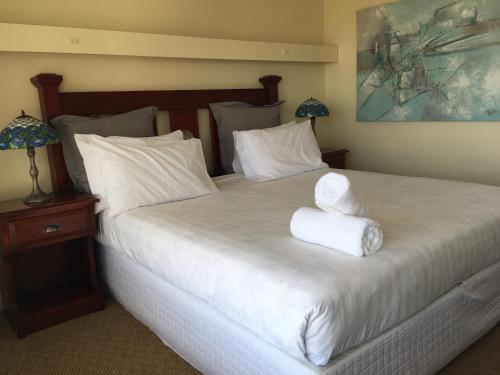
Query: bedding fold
[350, 234]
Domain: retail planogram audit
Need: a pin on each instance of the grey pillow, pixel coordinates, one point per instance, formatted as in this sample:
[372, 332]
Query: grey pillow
[231, 116]
[138, 123]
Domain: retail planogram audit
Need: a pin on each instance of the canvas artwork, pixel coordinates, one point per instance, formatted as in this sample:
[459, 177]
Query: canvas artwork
[429, 60]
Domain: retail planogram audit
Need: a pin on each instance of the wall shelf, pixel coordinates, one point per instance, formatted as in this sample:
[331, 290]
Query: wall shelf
[51, 39]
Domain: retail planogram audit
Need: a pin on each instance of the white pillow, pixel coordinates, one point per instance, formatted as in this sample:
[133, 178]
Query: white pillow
[92, 163]
[236, 160]
[268, 154]
[149, 141]
[136, 176]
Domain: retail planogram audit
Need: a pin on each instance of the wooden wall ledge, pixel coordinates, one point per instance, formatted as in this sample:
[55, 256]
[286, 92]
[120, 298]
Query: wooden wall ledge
[50, 39]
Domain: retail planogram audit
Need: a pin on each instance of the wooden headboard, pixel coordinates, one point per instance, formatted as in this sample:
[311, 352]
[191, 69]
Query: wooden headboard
[182, 106]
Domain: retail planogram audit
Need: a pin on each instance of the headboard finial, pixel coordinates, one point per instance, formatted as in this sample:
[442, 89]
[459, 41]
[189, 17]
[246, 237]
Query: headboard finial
[48, 92]
[45, 79]
[270, 84]
[270, 80]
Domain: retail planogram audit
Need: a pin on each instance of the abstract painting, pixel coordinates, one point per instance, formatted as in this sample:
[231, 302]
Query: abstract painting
[429, 60]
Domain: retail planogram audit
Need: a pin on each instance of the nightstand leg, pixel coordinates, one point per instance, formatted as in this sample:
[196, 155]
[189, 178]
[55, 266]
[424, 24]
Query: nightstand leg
[9, 290]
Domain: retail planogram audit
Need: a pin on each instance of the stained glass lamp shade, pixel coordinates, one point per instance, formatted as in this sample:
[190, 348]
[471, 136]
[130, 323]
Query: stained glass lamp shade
[28, 132]
[312, 108]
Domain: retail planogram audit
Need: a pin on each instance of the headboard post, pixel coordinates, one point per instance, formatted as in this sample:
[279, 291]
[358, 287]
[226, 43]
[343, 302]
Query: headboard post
[270, 84]
[50, 104]
[48, 92]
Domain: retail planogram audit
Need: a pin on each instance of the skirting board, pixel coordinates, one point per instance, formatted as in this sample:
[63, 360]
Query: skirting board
[51, 39]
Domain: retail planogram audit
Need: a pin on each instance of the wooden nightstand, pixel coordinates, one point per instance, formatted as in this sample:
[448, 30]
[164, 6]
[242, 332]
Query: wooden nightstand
[48, 266]
[334, 158]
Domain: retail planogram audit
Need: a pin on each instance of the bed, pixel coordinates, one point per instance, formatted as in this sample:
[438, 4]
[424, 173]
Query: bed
[238, 295]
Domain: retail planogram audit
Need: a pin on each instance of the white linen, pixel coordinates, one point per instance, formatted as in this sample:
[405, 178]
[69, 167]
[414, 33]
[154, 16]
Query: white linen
[236, 160]
[353, 235]
[233, 250]
[136, 176]
[333, 193]
[268, 154]
[159, 140]
[93, 164]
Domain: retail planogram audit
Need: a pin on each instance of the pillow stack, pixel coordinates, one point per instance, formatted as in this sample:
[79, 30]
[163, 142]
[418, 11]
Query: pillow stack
[119, 160]
[138, 123]
[239, 116]
[282, 151]
[126, 173]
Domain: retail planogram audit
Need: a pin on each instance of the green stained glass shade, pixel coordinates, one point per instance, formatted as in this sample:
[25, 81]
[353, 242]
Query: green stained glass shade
[25, 132]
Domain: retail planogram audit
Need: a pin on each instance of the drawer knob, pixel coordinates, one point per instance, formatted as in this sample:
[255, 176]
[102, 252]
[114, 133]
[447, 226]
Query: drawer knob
[51, 228]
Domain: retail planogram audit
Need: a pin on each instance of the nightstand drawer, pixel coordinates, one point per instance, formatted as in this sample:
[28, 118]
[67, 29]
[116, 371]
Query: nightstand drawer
[49, 228]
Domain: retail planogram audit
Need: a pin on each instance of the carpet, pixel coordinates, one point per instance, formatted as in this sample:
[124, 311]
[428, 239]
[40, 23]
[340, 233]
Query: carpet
[110, 342]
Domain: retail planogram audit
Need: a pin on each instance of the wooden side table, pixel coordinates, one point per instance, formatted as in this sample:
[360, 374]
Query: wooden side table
[49, 272]
[334, 158]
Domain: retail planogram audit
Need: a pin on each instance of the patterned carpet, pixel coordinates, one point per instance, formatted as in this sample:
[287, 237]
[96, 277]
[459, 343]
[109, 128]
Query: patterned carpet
[113, 342]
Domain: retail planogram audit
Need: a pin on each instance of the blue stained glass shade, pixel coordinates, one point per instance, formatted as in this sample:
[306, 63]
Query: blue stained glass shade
[312, 108]
[26, 131]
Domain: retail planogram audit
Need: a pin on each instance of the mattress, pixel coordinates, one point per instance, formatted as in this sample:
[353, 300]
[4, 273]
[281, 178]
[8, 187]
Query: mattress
[233, 251]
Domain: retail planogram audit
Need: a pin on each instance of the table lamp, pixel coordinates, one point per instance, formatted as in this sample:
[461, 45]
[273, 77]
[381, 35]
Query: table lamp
[312, 108]
[28, 132]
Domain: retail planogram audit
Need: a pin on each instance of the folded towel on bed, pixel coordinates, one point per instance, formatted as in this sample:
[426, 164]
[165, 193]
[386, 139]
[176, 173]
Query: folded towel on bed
[353, 235]
[333, 192]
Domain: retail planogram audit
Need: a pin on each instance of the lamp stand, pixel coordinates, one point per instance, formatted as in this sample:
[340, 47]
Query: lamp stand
[313, 124]
[37, 195]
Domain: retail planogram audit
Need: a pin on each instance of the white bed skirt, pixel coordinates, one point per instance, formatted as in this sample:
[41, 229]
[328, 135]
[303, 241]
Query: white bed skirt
[210, 342]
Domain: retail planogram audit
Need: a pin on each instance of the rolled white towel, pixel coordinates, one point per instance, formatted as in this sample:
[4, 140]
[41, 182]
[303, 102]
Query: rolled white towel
[333, 192]
[353, 235]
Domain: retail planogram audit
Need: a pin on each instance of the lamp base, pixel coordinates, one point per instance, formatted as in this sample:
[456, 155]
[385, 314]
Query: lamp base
[37, 197]
[313, 124]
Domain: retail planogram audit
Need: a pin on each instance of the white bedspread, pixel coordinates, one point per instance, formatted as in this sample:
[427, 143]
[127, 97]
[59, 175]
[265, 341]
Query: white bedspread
[234, 251]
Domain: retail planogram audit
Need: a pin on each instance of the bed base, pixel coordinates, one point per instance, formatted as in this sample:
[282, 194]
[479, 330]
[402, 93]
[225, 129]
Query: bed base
[214, 345]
